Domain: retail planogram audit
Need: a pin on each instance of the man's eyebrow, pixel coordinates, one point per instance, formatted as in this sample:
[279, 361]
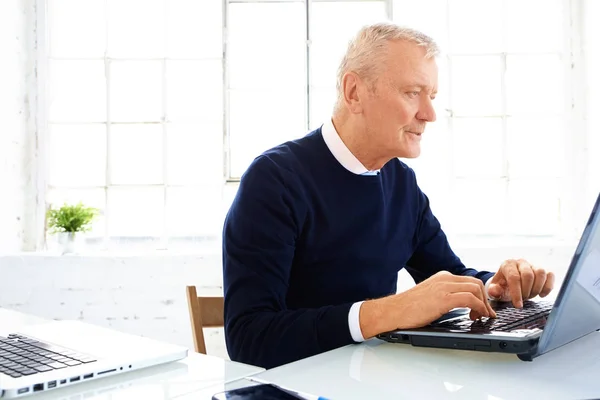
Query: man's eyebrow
[419, 85]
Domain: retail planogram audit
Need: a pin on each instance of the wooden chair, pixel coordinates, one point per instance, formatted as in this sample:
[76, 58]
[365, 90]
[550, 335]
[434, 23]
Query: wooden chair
[205, 312]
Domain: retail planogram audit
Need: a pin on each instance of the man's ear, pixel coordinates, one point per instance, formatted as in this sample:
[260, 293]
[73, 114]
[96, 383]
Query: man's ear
[352, 95]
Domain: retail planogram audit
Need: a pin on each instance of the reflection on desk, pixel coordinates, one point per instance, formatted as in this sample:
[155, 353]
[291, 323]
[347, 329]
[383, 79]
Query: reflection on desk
[168, 381]
[383, 370]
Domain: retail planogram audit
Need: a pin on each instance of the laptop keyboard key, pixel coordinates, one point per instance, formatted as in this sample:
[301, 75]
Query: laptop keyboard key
[21, 356]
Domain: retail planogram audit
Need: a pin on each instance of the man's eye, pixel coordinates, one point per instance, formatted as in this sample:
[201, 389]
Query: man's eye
[413, 94]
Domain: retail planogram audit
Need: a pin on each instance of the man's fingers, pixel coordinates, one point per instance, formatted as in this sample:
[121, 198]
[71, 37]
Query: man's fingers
[478, 289]
[471, 287]
[527, 278]
[469, 300]
[540, 281]
[548, 286]
[513, 277]
[491, 312]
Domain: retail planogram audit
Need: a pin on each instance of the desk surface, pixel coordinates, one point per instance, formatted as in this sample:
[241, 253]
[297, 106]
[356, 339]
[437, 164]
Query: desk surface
[379, 370]
[198, 376]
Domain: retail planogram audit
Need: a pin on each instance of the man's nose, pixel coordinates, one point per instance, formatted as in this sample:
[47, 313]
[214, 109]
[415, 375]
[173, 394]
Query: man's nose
[426, 111]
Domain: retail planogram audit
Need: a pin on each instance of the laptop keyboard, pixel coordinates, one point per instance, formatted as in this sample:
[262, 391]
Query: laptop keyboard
[22, 356]
[533, 315]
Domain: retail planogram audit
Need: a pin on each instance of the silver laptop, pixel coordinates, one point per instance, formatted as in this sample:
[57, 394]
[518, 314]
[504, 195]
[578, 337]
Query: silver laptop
[44, 357]
[537, 328]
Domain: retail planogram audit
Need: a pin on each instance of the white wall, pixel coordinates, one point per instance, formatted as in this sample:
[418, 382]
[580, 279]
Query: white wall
[146, 295]
[17, 113]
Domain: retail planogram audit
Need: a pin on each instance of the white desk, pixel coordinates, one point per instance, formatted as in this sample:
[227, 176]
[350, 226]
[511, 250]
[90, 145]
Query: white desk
[197, 376]
[379, 370]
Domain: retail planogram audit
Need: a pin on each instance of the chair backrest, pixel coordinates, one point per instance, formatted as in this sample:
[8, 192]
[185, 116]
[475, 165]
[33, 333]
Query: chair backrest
[205, 312]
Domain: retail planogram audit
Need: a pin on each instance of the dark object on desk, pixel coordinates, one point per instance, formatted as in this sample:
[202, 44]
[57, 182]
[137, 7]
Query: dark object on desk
[537, 328]
[258, 392]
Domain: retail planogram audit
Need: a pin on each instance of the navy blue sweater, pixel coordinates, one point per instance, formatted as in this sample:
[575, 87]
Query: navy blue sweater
[305, 238]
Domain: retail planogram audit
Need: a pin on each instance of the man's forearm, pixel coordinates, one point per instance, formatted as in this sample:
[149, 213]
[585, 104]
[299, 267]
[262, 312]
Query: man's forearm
[271, 339]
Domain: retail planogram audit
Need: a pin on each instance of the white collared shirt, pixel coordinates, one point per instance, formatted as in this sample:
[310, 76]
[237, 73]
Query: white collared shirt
[341, 152]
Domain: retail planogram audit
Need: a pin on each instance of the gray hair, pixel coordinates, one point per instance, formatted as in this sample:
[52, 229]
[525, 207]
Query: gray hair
[366, 49]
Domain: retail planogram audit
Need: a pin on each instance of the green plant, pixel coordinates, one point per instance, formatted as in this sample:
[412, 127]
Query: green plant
[71, 218]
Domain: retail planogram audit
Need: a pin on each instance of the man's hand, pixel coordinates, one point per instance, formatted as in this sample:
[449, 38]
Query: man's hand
[517, 280]
[425, 303]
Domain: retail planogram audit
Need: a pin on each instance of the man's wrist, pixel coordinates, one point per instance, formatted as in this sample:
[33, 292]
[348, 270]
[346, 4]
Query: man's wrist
[374, 318]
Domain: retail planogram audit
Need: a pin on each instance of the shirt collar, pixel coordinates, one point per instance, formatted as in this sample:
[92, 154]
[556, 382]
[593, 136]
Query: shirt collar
[340, 151]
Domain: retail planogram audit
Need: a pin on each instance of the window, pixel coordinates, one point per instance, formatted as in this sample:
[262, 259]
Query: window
[135, 116]
[494, 163]
[154, 104]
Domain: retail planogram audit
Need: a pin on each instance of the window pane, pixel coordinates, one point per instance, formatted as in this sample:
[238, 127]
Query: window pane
[136, 155]
[77, 155]
[535, 84]
[194, 211]
[194, 28]
[136, 28]
[195, 154]
[476, 85]
[476, 26]
[266, 45]
[479, 206]
[90, 198]
[77, 91]
[428, 16]
[322, 102]
[135, 91]
[136, 212]
[329, 45]
[478, 147]
[548, 35]
[195, 91]
[534, 207]
[77, 28]
[535, 147]
[261, 120]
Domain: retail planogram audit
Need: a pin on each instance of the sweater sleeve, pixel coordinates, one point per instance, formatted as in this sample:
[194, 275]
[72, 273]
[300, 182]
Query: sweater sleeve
[432, 252]
[259, 236]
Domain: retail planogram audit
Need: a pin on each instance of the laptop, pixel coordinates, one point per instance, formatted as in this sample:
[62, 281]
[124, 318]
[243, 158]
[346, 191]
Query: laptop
[537, 328]
[47, 356]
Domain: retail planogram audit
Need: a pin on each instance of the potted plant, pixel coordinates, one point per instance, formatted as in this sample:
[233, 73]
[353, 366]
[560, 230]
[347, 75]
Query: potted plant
[67, 221]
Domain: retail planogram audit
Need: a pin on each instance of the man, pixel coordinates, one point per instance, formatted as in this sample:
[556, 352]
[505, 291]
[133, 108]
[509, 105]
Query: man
[320, 226]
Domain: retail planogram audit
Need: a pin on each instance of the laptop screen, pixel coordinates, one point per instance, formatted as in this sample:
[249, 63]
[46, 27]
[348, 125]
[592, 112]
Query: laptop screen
[577, 308]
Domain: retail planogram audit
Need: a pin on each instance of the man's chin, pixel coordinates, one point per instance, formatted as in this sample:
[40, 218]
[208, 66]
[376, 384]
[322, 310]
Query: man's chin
[411, 153]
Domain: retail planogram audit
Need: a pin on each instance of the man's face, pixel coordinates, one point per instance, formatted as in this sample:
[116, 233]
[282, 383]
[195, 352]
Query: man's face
[397, 111]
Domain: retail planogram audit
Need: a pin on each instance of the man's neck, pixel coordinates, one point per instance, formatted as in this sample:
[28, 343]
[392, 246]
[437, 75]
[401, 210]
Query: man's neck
[357, 141]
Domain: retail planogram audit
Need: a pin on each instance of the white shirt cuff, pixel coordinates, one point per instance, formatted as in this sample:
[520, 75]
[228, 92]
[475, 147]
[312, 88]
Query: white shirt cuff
[487, 288]
[354, 322]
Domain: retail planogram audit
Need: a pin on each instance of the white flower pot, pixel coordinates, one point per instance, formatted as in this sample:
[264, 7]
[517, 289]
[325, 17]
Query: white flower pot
[68, 241]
